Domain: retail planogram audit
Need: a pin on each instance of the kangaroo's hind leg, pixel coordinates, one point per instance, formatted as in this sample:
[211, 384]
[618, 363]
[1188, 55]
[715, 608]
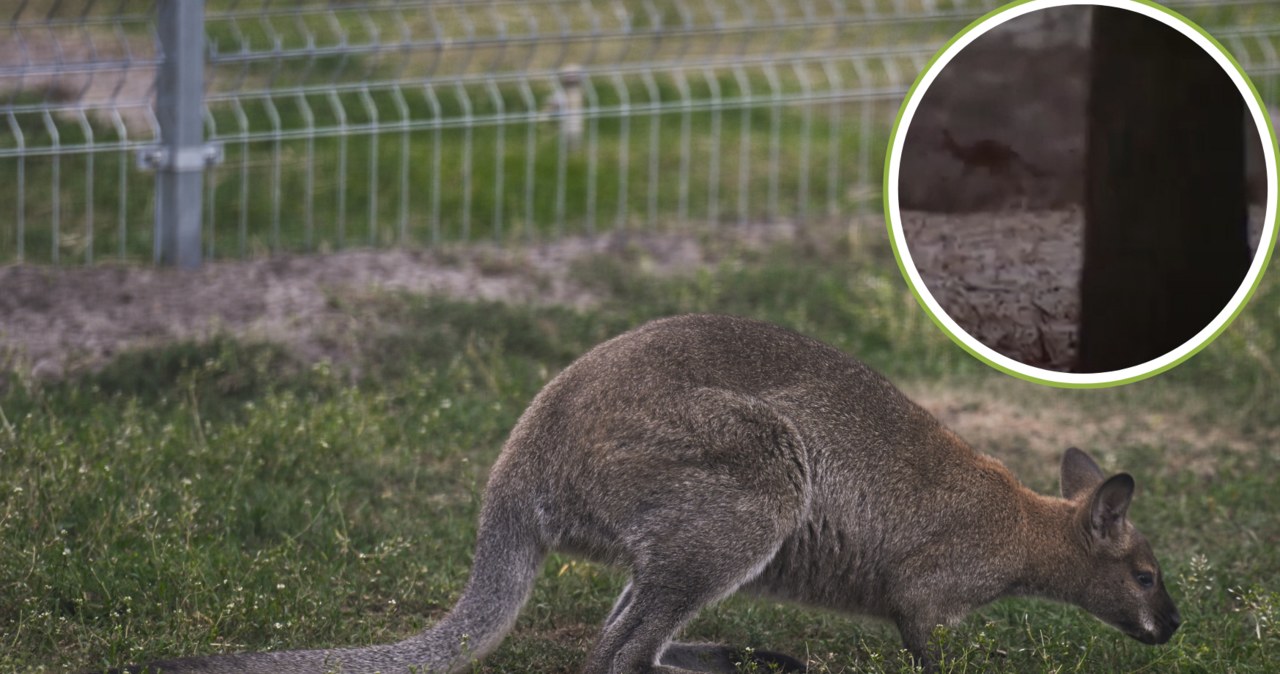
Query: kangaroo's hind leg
[658, 602]
[714, 518]
[710, 657]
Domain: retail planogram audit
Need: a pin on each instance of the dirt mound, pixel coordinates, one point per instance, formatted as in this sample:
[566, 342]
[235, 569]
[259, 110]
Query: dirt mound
[59, 319]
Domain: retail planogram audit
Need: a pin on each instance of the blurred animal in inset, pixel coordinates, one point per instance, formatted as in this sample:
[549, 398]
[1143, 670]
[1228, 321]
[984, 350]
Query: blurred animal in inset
[993, 156]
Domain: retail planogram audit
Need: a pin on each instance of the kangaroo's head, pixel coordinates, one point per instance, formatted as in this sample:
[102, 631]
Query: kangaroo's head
[1120, 581]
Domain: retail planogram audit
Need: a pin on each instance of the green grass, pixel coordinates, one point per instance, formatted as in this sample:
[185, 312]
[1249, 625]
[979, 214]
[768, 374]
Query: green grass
[223, 496]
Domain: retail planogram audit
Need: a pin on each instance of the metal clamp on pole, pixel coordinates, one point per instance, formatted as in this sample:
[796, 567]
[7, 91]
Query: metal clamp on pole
[158, 158]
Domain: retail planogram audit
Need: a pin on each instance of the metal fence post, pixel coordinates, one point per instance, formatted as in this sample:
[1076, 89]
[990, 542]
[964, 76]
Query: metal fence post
[182, 156]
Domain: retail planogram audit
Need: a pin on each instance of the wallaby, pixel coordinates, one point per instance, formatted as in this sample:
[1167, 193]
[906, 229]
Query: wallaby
[710, 454]
[995, 157]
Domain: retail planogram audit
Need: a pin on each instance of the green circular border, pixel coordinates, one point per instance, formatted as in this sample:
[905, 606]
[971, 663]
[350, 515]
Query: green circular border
[897, 124]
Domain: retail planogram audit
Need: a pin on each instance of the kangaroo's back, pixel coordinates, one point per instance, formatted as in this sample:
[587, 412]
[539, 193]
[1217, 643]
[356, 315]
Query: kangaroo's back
[629, 394]
[644, 373]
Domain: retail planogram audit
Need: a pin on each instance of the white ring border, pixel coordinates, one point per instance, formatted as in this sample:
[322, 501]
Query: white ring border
[1075, 379]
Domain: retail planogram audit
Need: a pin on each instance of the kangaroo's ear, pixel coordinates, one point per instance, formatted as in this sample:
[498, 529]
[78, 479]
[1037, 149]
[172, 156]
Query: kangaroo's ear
[1079, 473]
[1109, 505]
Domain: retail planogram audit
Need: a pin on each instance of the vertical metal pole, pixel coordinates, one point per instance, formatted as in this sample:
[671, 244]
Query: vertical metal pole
[179, 98]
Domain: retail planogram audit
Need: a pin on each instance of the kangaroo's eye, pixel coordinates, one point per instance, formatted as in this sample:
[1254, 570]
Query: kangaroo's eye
[1144, 579]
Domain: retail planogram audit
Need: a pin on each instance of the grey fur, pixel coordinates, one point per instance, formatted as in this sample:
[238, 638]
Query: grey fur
[711, 454]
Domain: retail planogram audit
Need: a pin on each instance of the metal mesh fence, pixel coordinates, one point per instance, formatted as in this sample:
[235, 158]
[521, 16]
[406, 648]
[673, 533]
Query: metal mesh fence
[428, 121]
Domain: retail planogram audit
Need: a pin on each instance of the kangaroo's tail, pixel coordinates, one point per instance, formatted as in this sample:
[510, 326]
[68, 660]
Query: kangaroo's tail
[508, 555]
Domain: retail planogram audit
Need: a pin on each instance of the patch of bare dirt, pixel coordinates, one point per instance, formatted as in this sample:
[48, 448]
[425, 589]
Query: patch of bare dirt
[1029, 431]
[1011, 279]
[55, 320]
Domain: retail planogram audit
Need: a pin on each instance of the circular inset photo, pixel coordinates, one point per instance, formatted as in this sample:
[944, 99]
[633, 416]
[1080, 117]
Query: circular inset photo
[1082, 194]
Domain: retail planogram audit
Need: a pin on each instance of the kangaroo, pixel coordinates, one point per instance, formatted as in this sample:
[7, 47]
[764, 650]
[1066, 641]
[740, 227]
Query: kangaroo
[711, 454]
[995, 157]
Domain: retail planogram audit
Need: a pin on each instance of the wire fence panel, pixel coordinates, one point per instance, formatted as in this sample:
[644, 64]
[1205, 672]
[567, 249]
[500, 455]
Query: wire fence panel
[440, 121]
[427, 121]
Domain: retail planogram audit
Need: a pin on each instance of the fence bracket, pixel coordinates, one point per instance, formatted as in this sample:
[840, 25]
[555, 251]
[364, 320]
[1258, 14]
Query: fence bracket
[159, 158]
